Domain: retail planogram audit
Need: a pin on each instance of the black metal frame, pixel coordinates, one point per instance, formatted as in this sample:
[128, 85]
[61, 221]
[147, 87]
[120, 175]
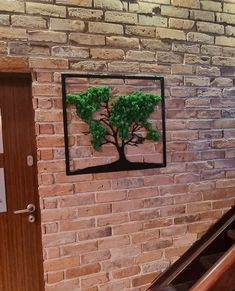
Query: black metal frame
[106, 168]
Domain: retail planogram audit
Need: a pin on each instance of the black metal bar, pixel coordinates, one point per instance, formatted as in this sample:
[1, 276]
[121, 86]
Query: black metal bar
[65, 122]
[163, 120]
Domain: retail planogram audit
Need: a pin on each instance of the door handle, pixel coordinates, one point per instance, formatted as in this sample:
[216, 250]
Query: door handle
[30, 209]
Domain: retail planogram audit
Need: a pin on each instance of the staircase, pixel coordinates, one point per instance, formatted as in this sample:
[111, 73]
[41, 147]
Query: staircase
[208, 265]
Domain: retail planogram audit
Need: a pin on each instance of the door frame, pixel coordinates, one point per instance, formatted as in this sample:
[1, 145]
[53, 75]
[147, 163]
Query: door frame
[29, 75]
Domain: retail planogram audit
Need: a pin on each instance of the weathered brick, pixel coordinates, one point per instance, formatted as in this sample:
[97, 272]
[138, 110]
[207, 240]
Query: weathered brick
[226, 41]
[13, 33]
[200, 37]
[186, 48]
[230, 30]
[82, 271]
[121, 17]
[212, 28]
[86, 14]
[4, 20]
[154, 68]
[165, 33]
[45, 9]
[223, 17]
[12, 6]
[202, 15]
[182, 24]
[153, 20]
[87, 39]
[50, 63]
[28, 21]
[168, 57]
[153, 44]
[208, 71]
[229, 8]
[196, 81]
[83, 3]
[122, 66]
[211, 50]
[107, 54]
[181, 69]
[94, 280]
[106, 4]
[186, 3]
[70, 51]
[89, 66]
[195, 59]
[20, 48]
[123, 42]
[3, 47]
[66, 24]
[103, 28]
[47, 36]
[173, 11]
[140, 55]
[140, 31]
[211, 5]
[223, 61]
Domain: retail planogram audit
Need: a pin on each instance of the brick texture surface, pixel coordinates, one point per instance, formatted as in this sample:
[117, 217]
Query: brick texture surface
[117, 231]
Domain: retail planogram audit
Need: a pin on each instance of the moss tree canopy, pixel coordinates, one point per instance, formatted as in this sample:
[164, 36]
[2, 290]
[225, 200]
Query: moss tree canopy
[133, 108]
[121, 121]
[89, 102]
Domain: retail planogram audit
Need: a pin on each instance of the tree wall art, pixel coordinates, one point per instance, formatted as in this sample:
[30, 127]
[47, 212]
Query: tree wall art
[113, 122]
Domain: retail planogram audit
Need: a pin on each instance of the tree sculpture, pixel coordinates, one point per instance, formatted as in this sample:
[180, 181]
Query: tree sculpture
[120, 122]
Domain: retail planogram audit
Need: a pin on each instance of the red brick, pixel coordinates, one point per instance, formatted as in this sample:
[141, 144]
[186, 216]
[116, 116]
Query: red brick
[61, 263]
[94, 233]
[94, 210]
[70, 225]
[144, 214]
[198, 227]
[144, 279]
[14, 63]
[111, 196]
[95, 257]
[55, 190]
[81, 248]
[93, 280]
[126, 272]
[149, 256]
[92, 186]
[82, 271]
[175, 251]
[113, 219]
[48, 63]
[159, 222]
[144, 236]
[58, 214]
[55, 277]
[156, 244]
[127, 228]
[114, 242]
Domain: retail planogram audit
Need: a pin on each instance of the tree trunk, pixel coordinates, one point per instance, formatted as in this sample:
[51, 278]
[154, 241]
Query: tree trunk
[122, 157]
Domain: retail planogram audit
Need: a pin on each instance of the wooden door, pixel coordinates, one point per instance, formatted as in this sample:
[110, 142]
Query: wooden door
[20, 240]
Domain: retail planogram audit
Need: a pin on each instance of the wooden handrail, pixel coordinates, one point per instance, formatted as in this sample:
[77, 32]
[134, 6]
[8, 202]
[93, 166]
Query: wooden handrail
[194, 251]
[221, 276]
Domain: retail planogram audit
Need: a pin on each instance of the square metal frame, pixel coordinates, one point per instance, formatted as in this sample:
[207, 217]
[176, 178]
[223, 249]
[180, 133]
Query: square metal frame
[106, 168]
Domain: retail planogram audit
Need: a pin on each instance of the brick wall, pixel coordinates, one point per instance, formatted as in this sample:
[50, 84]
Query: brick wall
[116, 231]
